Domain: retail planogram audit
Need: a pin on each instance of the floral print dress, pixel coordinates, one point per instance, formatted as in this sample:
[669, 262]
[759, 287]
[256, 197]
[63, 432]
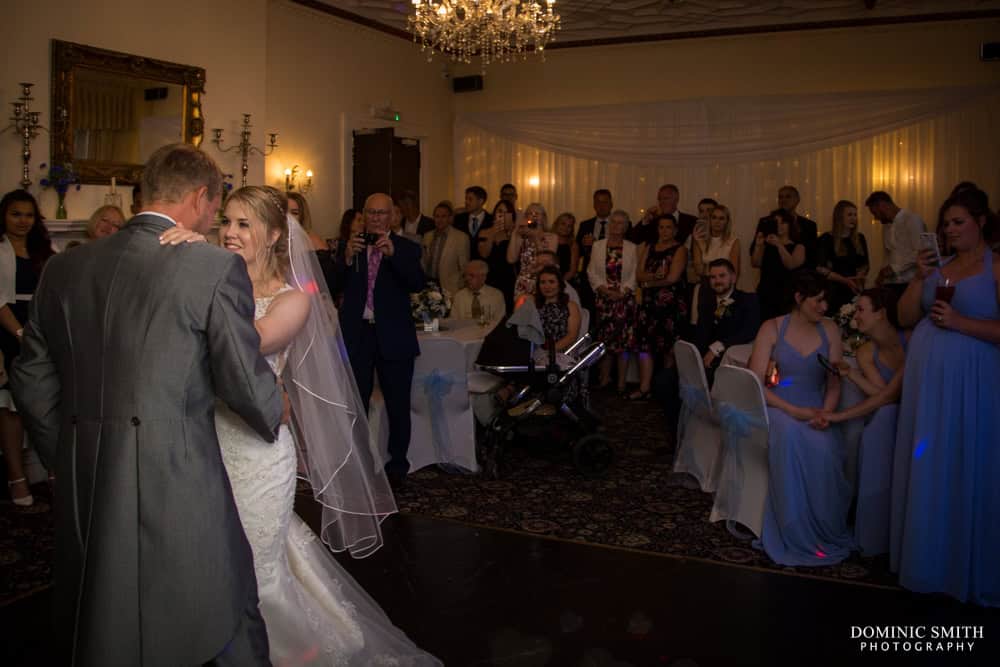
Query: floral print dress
[663, 311]
[525, 283]
[616, 319]
[555, 323]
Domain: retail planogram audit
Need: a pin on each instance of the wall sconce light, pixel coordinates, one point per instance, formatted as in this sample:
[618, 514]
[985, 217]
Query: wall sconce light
[291, 176]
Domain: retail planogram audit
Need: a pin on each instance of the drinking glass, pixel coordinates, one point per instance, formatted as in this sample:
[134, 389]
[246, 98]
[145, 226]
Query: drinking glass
[945, 291]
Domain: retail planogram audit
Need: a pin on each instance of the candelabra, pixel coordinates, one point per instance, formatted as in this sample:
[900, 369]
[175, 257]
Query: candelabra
[25, 123]
[245, 148]
[291, 175]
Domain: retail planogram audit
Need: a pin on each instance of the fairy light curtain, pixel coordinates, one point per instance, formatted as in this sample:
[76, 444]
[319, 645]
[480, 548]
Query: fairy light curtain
[916, 144]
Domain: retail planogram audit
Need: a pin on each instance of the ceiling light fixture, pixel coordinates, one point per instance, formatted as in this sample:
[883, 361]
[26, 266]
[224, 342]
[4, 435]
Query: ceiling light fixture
[498, 31]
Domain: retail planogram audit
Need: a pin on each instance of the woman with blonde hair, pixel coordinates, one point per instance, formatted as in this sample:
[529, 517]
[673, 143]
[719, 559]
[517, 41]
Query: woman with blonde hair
[721, 242]
[105, 221]
[843, 256]
[298, 208]
[310, 604]
[530, 237]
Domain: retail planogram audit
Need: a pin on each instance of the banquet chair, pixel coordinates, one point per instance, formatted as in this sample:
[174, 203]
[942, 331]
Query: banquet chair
[742, 484]
[442, 422]
[699, 442]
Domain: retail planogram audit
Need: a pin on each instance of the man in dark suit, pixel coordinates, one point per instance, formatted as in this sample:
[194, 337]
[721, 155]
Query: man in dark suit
[723, 316]
[474, 218]
[128, 344]
[788, 199]
[378, 327]
[590, 230]
[414, 222]
[667, 199]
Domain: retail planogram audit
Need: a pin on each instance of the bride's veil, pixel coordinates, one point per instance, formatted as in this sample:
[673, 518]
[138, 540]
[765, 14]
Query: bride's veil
[330, 426]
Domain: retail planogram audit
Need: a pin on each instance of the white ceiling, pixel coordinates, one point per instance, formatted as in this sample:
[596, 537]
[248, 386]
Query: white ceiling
[628, 20]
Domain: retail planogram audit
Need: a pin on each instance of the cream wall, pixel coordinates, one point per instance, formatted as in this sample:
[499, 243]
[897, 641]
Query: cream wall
[226, 37]
[323, 75]
[901, 56]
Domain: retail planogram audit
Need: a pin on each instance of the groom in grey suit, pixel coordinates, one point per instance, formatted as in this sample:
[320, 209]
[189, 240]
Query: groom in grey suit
[127, 346]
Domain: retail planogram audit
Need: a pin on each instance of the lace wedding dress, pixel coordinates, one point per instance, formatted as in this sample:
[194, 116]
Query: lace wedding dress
[315, 613]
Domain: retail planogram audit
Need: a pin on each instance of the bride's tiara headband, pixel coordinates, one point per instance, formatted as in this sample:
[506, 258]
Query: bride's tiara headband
[275, 200]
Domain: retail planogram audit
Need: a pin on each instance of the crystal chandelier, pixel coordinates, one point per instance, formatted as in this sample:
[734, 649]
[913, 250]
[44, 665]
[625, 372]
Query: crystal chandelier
[495, 30]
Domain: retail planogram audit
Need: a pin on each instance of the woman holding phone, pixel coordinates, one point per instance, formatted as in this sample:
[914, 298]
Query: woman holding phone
[530, 237]
[944, 534]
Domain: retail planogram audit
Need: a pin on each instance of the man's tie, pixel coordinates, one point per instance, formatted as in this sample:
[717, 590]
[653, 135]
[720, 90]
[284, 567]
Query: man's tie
[473, 226]
[374, 259]
[600, 234]
[477, 308]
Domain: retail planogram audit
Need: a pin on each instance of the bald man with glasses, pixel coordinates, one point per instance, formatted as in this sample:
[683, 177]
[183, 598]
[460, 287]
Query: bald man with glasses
[379, 270]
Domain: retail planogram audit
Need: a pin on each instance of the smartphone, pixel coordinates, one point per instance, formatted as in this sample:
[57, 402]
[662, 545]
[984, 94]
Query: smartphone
[825, 363]
[929, 241]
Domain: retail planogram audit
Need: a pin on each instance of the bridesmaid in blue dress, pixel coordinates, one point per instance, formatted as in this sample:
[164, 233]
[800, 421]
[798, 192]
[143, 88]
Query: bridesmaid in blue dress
[805, 519]
[880, 376]
[945, 536]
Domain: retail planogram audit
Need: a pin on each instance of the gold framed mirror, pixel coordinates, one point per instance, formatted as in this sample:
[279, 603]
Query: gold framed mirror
[111, 110]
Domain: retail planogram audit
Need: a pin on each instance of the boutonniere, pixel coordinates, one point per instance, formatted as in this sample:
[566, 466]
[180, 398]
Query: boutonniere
[724, 308]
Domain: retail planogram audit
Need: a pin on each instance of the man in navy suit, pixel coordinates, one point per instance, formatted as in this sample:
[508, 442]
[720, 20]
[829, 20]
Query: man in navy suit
[375, 317]
[474, 218]
[723, 315]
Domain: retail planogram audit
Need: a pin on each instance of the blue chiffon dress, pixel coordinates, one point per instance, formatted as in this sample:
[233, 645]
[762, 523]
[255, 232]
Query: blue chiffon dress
[878, 441]
[945, 533]
[805, 519]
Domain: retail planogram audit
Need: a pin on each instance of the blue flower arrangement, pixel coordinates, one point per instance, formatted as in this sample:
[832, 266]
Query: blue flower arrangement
[60, 178]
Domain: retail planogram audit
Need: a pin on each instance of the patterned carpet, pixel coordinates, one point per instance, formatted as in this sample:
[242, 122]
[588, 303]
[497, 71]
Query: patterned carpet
[640, 504]
[27, 545]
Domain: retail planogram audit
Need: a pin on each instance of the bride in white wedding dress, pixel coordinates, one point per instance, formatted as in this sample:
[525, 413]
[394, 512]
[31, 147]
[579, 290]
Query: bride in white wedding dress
[315, 613]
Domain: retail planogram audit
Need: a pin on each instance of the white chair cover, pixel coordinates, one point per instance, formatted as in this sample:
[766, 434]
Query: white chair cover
[698, 437]
[443, 426]
[737, 355]
[742, 485]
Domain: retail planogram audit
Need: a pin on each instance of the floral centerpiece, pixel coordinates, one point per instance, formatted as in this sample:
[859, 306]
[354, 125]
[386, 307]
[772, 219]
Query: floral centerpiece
[429, 304]
[853, 339]
[59, 177]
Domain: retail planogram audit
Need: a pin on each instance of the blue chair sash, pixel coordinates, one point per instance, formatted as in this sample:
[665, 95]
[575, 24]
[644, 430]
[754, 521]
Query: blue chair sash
[435, 386]
[737, 426]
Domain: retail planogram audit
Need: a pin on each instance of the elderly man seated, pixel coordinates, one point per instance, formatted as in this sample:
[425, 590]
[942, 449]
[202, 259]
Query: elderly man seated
[477, 299]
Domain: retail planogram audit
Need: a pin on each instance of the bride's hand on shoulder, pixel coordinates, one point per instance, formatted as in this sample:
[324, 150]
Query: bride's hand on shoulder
[178, 235]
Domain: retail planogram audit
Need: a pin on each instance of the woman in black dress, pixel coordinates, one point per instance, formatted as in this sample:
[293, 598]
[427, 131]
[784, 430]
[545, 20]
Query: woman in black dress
[778, 254]
[663, 311]
[493, 242]
[25, 246]
[843, 257]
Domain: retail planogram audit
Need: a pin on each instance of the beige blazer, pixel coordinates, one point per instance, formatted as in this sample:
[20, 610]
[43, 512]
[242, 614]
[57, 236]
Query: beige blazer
[454, 257]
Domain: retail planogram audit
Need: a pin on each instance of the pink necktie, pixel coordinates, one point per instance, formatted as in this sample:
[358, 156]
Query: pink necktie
[374, 259]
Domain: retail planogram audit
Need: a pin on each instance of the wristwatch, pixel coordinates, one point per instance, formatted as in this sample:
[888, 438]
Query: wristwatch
[19, 333]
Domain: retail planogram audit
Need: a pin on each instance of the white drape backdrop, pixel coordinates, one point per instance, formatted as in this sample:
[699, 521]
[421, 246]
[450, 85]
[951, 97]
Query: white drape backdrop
[915, 144]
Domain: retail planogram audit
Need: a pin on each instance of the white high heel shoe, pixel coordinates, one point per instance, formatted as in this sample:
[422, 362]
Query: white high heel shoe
[23, 501]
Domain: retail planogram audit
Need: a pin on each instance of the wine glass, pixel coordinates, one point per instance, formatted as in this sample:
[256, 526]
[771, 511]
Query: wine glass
[945, 290]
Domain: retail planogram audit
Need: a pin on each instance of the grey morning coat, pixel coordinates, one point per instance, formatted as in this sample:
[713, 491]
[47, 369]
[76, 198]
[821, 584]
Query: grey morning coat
[127, 347]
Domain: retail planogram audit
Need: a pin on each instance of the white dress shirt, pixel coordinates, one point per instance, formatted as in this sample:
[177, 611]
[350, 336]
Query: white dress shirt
[901, 241]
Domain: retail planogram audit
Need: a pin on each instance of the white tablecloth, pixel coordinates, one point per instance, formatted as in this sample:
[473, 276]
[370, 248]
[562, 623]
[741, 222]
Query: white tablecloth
[460, 449]
[850, 395]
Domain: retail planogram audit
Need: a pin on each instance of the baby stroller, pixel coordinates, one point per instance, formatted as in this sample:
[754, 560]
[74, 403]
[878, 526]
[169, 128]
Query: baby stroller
[539, 410]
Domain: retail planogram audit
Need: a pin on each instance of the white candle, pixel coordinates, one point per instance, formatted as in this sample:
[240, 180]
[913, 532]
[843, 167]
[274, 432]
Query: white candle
[112, 185]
